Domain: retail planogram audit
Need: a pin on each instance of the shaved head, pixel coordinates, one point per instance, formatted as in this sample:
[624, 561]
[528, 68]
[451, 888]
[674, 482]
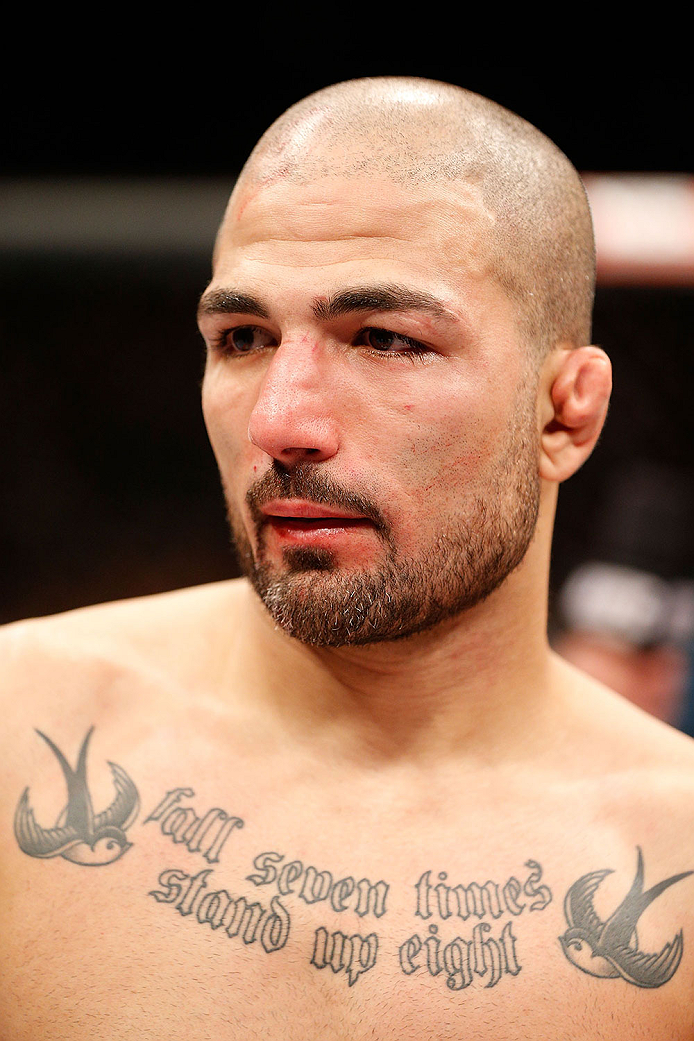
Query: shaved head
[415, 131]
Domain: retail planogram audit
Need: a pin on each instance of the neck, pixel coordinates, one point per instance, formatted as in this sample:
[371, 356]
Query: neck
[470, 683]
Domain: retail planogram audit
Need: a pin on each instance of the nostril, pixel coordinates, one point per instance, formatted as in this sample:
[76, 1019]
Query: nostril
[296, 451]
[292, 435]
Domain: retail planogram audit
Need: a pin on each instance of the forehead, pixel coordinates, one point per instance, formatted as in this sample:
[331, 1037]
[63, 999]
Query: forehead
[439, 230]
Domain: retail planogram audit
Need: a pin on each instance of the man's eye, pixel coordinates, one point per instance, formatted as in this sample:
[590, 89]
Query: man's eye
[244, 339]
[386, 342]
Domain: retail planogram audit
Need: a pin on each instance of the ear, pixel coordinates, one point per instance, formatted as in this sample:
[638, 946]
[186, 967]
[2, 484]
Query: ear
[576, 384]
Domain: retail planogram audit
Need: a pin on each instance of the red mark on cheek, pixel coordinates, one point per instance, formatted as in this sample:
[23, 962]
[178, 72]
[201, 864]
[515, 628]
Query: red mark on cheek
[408, 408]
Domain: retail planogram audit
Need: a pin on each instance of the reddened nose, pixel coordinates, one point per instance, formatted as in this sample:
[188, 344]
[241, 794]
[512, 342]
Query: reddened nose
[295, 414]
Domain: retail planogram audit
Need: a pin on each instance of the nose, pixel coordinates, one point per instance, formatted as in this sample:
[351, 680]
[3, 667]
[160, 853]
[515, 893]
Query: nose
[294, 416]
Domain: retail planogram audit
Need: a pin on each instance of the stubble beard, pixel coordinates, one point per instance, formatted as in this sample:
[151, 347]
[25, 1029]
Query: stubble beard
[320, 603]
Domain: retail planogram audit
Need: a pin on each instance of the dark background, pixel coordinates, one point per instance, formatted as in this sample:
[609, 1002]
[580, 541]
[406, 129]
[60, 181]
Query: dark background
[108, 486]
[117, 119]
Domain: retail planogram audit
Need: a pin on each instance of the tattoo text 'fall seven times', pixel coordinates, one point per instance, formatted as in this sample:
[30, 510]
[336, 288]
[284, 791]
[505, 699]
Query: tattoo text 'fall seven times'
[464, 932]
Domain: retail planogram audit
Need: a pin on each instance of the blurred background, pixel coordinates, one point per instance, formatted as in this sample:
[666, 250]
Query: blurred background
[110, 202]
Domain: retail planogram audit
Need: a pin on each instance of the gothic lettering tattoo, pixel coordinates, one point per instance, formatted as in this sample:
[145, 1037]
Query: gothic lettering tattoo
[350, 954]
[462, 960]
[79, 835]
[206, 834]
[478, 900]
[481, 956]
[191, 895]
[610, 949]
[311, 886]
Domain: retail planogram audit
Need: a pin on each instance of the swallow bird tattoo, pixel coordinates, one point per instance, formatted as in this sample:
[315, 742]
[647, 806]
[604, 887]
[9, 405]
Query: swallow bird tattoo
[610, 949]
[80, 835]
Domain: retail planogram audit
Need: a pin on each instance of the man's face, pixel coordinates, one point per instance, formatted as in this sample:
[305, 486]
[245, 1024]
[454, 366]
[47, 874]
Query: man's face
[370, 404]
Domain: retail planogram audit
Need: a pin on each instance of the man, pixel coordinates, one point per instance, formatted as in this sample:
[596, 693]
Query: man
[353, 795]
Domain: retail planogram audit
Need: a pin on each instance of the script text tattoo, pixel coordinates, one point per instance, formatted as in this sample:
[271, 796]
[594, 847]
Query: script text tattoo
[235, 916]
[312, 886]
[205, 833]
[481, 955]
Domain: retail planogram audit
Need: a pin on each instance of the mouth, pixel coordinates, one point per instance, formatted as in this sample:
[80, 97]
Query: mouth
[316, 523]
[302, 520]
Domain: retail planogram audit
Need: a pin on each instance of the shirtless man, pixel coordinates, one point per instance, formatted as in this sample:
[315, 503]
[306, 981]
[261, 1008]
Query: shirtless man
[353, 795]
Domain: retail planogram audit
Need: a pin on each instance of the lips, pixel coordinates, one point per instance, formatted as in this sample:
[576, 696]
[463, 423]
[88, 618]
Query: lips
[305, 510]
[316, 523]
[300, 519]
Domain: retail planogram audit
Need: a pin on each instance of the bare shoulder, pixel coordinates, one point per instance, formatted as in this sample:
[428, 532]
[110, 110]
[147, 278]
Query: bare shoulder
[168, 636]
[641, 768]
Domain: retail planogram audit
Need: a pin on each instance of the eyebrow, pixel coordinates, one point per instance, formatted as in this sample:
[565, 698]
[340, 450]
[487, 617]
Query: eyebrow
[380, 298]
[388, 297]
[228, 301]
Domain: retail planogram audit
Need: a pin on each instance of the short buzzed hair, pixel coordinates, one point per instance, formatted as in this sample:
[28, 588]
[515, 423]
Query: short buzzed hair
[417, 130]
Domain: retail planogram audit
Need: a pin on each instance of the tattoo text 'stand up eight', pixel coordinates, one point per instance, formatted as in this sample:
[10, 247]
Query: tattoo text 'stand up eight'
[469, 934]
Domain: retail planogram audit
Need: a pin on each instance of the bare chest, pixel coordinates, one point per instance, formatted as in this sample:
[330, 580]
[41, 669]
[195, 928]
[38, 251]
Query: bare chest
[233, 902]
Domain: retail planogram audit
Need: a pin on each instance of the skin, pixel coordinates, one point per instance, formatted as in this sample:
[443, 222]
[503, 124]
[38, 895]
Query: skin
[461, 751]
[420, 437]
[654, 678]
[314, 369]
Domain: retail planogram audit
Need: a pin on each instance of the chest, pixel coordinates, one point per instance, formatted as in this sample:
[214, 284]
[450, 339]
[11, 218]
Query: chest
[219, 921]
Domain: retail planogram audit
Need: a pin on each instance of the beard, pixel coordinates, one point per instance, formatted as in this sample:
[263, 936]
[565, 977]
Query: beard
[314, 600]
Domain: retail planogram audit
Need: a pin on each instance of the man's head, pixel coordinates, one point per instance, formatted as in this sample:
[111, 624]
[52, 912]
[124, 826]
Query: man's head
[415, 131]
[399, 265]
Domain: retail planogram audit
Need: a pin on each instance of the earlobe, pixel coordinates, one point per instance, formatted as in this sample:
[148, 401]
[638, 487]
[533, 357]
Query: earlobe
[578, 384]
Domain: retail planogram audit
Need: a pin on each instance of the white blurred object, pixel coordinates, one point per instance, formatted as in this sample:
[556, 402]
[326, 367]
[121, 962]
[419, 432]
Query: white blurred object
[644, 226]
[644, 223]
[635, 606]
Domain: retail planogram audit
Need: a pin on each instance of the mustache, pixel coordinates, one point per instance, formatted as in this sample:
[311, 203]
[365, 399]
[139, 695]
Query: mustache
[305, 482]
